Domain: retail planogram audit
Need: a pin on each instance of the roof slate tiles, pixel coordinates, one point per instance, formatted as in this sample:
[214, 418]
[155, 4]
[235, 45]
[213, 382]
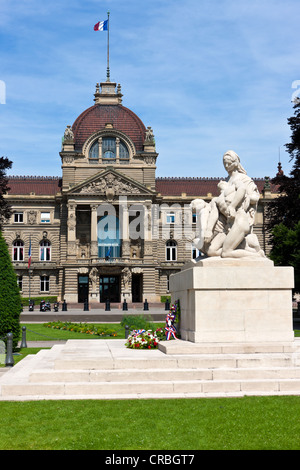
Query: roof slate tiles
[50, 186]
[96, 117]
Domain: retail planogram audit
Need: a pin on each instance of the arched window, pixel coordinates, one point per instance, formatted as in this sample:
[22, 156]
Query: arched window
[18, 251]
[45, 251]
[123, 151]
[109, 150]
[112, 149]
[171, 250]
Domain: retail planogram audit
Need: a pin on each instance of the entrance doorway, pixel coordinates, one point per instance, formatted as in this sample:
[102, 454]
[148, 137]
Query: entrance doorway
[137, 287]
[110, 288]
[83, 288]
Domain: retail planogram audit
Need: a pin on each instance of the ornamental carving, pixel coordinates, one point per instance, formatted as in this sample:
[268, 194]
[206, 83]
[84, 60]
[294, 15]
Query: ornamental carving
[149, 160]
[32, 217]
[110, 185]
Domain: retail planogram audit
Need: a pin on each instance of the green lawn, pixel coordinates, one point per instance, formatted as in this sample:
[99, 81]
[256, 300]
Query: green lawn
[38, 332]
[181, 424]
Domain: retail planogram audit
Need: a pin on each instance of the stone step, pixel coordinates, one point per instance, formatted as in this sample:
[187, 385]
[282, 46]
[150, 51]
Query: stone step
[106, 369]
[166, 388]
[182, 362]
[150, 375]
[186, 347]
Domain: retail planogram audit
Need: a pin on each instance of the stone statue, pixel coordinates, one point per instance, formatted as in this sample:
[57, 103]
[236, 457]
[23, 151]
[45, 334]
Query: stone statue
[149, 135]
[68, 135]
[226, 222]
[94, 278]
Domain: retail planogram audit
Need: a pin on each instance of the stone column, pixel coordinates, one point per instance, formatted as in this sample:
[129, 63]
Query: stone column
[117, 150]
[124, 220]
[100, 148]
[71, 229]
[94, 235]
[147, 232]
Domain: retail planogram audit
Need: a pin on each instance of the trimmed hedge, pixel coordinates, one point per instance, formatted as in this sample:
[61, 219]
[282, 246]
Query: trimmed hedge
[10, 298]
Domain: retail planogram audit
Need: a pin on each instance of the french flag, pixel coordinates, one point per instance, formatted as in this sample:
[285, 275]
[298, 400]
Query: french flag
[29, 254]
[101, 26]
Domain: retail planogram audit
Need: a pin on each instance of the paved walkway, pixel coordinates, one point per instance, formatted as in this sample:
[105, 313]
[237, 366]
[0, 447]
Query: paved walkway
[95, 314]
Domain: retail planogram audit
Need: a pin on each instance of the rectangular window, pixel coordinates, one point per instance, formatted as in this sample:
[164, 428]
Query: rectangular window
[20, 282]
[194, 218]
[45, 217]
[45, 253]
[45, 283]
[171, 218]
[18, 217]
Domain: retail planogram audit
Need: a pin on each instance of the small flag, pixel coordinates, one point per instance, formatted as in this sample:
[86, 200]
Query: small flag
[107, 256]
[101, 26]
[29, 254]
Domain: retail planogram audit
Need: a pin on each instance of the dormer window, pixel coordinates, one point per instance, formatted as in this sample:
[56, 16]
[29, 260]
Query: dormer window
[109, 150]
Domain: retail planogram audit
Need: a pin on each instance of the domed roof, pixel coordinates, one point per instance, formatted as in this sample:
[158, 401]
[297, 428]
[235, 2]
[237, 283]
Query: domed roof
[98, 116]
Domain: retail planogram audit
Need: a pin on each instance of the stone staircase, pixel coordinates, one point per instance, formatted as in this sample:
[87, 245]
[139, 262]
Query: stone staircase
[106, 369]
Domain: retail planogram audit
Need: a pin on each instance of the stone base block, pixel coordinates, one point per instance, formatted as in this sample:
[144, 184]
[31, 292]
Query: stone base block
[234, 300]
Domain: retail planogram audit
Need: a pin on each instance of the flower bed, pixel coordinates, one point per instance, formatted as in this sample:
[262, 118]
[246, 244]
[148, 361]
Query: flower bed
[82, 328]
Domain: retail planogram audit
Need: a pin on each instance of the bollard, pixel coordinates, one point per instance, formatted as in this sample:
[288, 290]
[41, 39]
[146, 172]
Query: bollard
[167, 305]
[23, 343]
[125, 306]
[107, 305]
[9, 360]
[86, 305]
[146, 305]
[64, 306]
[126, 331]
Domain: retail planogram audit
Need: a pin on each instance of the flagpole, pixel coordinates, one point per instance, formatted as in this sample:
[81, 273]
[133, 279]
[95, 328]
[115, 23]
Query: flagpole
[29, 263]
[108, 70]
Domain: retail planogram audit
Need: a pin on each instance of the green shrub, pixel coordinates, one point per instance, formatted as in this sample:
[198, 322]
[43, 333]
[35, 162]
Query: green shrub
[10, 299]
[138, 322]
[164, 298]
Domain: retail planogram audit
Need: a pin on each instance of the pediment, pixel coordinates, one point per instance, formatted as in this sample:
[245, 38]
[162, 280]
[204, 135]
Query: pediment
[110, 183]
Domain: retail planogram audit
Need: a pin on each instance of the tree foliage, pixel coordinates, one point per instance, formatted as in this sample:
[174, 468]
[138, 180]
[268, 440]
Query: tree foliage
[286, 249]
[10, 299]
[286, 208]
[5, 210]
[283, 213]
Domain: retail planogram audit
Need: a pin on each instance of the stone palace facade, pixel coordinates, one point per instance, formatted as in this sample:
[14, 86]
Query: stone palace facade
[107, 228]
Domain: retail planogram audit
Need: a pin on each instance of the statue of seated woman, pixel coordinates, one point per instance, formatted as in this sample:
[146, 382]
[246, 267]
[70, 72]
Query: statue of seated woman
[226, 222]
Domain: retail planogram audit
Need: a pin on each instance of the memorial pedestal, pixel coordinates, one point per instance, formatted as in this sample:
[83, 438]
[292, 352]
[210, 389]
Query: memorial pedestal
[246, 300]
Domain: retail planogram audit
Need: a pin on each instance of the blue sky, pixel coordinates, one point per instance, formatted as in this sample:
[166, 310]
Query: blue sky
[206, 75]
